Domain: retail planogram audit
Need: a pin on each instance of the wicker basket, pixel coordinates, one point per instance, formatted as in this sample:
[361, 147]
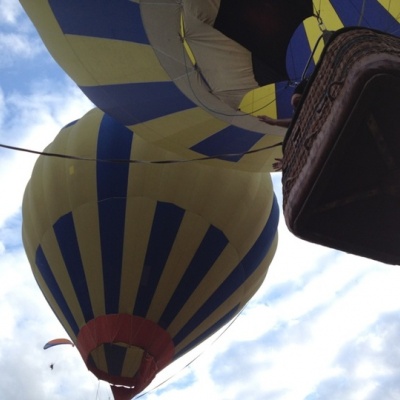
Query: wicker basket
[341, 164]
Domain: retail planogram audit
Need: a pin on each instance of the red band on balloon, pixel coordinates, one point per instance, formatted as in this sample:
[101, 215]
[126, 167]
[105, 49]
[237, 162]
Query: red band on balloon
[132, 331]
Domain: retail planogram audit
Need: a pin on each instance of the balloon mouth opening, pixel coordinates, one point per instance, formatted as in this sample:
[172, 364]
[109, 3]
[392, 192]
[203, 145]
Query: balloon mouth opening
[125, 350]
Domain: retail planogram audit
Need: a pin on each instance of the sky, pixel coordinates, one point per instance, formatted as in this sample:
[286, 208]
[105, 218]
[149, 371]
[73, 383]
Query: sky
[324, 324]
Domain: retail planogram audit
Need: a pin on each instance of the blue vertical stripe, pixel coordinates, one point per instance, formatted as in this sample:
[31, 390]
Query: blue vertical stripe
[166, 223]
[64, 230]
[51, 282]
[211, 247]
[239, 275]
[116, 19]
[115, 357]
[114, 143]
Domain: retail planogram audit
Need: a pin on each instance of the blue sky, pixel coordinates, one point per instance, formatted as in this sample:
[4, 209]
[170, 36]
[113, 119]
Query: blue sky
[324, 325]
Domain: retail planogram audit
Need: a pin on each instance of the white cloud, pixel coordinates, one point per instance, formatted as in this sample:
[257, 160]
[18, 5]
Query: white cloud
[18, 40]
[10, 10]
[13, 45]
[32, 121]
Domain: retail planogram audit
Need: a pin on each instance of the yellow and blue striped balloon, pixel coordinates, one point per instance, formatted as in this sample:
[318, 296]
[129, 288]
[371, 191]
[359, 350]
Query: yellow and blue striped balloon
[184, 75]
[141, 261]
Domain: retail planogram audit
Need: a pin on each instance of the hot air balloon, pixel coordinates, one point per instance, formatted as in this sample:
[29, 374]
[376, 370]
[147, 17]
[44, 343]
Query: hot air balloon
[142, 261]
[191, 76]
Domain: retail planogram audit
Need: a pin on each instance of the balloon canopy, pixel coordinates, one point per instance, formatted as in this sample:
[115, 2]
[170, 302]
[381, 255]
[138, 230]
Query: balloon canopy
[141, 261]
[191, 76]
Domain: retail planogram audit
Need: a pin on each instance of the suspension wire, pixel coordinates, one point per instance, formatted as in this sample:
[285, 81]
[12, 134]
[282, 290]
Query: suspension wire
[311, 56]
[197, 69]
[197, 357]
[317, 15]
[362, 13]
[97, 392]
[130, 161]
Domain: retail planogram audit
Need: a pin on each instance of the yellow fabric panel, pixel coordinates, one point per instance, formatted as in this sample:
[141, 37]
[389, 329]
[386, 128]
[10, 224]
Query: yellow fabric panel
[132, 361]
[29, 237]
[328, 14]
[38, 221]
[54, 257]
[242, 295]
[81, 192]
[331, 22]
[186, 128]
[42, 16]
[393, 6]
[225, 200]
[46, 211]
[81, 175]
[221, 269]
[135, 248]
[99, 358]
[54, 174]
[185, 43]
[260, 101]
[262, 160]
[80, 56]
[212, 319]
[253, 283]
[31, 241]
[313, 32]
[191, 233]
[242, 193]
[108, 62]
[228, 200]
[87, 230]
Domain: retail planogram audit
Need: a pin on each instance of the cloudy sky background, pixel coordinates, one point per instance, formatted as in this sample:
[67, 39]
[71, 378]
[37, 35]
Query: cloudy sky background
[325, 325]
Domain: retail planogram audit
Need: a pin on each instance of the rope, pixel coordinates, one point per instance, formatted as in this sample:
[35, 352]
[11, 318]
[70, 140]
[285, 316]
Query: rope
[197, 357]
[311, 56]
[197, 69]
[361, 13]
[130, 161]
[98, 386]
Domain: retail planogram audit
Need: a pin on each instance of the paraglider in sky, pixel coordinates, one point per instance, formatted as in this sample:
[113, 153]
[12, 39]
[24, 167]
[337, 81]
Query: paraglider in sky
[191, 76]
[57, 342]
[140, 261]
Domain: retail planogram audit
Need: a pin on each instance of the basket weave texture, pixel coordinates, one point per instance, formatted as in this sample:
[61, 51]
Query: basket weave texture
[343, 65]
